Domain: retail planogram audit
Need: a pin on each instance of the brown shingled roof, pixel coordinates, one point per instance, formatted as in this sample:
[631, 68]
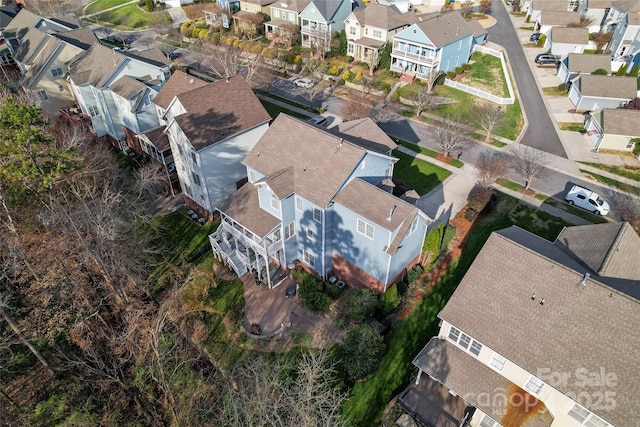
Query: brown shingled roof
[563, 19]
[445, 28]
[581, 63]
[127, 87]
[178, 83]
[592, 327]
[320, 162]
[244, 207]
[386, 17]
[82, 38]
[367, 134]
[550, 5]
[608, 86]
[219, 110]
[570, 35]
[159, 139]
[96, 66]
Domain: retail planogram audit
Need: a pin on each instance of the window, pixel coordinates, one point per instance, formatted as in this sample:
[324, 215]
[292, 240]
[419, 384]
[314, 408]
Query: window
[194, 158]
[93, 111]
[196, 178]
[488, 422]
[292, 17]
[275, 204]
[465, 340]
[630, 144]
[61, 88]
[276, 13]
[42, 95]
[310, 233]
[289, 230]
[476, 347]
[180, 150]
[350, 49]
[252, 176]
[366, 31]
[365, 228]
[377, 34]
[497, 361]
[187, 189]
[414, 225]
[309, 258]
[299, 203]
[595, 421]
[56, 72]
[352, 31]
[454, 334]
[534, 384]
[363, 164]
[317, 214]
[579, 413]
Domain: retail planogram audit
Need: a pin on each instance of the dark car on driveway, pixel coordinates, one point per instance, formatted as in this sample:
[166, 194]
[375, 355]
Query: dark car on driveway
[547, 59]
[534, 37]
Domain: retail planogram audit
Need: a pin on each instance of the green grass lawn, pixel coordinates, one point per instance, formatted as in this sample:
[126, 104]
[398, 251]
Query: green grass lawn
[99, 5]
[427, 152]
[285, 100]
[509, 184]
[618, 170]
[575, 127]
[418, 174]
[130, 16]
[612, 182]
[554, 91]
[486, 74]
[407, 337]
[580, 213]
[274, 110]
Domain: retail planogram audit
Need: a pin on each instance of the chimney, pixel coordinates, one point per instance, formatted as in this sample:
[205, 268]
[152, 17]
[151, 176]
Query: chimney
[192, 81]
[533, 296]
[391, 212]
[227, 79]
[542, 301]
[583, 282]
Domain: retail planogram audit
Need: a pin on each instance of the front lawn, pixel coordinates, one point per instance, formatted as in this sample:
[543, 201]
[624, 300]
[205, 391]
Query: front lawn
[418, 174]
[274, 110]
[407, 337]
[574, 127]
[486, 74]
[617, 170]
[425, 151]
[554, 91]
[99, 5]
[131, 16]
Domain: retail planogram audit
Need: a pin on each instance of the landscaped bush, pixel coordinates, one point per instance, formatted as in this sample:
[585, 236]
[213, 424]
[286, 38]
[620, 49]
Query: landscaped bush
[359, 305]
[414, 274]
[479, 198]
[564, 87]
[311, 293]
[215, 38]
[466, 67]
[451, 74]
[390, 300]
[459, 70]
[347, 76]
[333, 71]
[363, 349]
[600, 72]
[542, 40]
[636, 147]
[257, 48]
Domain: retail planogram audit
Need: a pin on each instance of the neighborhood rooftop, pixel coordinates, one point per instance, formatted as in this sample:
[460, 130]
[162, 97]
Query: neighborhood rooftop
[178, 83]
[581, 63]
[559, 18]
[550, 5]
[444, 28]
[365, 133]
[599, 324]
[618, 121]
[387, 17]
[570, 35]
[608, 86]
[627, 5]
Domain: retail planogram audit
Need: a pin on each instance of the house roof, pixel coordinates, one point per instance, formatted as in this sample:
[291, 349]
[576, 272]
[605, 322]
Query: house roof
[556, 18]
[32, 41]
[473, 380]
[158, 138]
[178, 83]
[319, 161]
[386, 17]
[581, 63]
[82, 38]
[365, 133]
[7, 13]
[599, 4]
[326, 8]
[444, 28]
[47, 52]
[570, 35]
[591, 327]
[627, 5]
[369, 42]
[219, 110]
[244, 207]
[477, 27]
[261, 2]
[605, 248]
[550, 5]
[292, 5]
[608, 86]
[20, 24]
[153, 56]
[127, 87]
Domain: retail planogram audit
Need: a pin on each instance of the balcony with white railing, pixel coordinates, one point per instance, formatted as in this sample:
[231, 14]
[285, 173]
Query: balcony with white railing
[430, 60]
[314, 29]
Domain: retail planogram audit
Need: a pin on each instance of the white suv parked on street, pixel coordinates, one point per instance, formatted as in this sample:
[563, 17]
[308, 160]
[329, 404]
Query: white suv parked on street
[587, 199]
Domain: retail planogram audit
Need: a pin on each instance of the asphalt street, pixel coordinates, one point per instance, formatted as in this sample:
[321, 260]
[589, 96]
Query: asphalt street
[540, 133]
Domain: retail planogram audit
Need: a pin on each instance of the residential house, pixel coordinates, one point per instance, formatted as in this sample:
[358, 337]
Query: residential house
[249, 18]
[595, 11]
[549, 343]
[115, 89]
[366, 134]
[256, 6]
[369, 28]
[592, 92]
[536, 7]
[7, 13]
[614, 129]
[565, 40]
[548, 20]
[402, 5]
[626, 31]
[313, 200]
[285, 20]
[42, 59]
[321, 18]
[211, 129]
[480, 35]
[441, 41]
[575, 64]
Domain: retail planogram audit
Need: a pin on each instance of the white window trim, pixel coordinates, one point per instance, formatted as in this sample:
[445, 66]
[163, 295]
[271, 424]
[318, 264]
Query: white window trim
[310, 234]
[498, 361]
[319, 213]
[275, 203]
[289, 230]
[309, 258]
[534, 385]
[299, 205]
[365, 226]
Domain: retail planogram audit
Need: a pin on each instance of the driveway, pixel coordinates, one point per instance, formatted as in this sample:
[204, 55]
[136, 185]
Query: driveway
[540, 133]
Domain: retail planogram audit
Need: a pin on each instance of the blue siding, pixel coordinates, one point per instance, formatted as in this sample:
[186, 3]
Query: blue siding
[372, 168]
[411, 248]
[414, 34]
[264, 195]
[455, 54]
[341, 14]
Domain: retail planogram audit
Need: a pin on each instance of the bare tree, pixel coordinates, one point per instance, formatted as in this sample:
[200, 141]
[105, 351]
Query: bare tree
[355, 108]
[422, 99]
[601, 39]
[249, 25]
[485, 6]
[490, 118]
[528, 163]
[466, 7]
[583, 22]
[224, 62]
[449, 134]
[430, 76]
[628, 206]
[372, 58]
[490, 166]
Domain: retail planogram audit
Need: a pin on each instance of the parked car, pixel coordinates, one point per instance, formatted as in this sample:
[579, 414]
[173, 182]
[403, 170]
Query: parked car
[534, 37]
[587, 199]
[305, 82]
[547, 59]
[318, 121]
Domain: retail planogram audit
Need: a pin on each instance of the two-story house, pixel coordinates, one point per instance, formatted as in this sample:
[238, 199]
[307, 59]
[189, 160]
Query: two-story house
[115, 90]
[538, 333]
[321, 18]
[626, 31]
[42, 59]
[285, 20]
[614, 129]
[7, 13]
[441, 41]
[211, 129]
[313, 200]
[369, 28]
[595, 11]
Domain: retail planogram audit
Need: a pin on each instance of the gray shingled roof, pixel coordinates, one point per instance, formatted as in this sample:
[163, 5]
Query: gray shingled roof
[627, 5]
[445, 28]
[153, 56]
[20, 24]
[606, 248]
[127, 87]
[327, 8]
[97, 66]
[365, 133]
[292, 5]
[550, 5]
[570, 35]
[244, 207]
[599, 4]
[581, 63]
[178, 83]
[319, 161]
[159, 139]
[33, 40]
[563, 19]
[473, 381]
[82, 38]
[219, 110]
[591, 327]
[381, 16]
[608, 86]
